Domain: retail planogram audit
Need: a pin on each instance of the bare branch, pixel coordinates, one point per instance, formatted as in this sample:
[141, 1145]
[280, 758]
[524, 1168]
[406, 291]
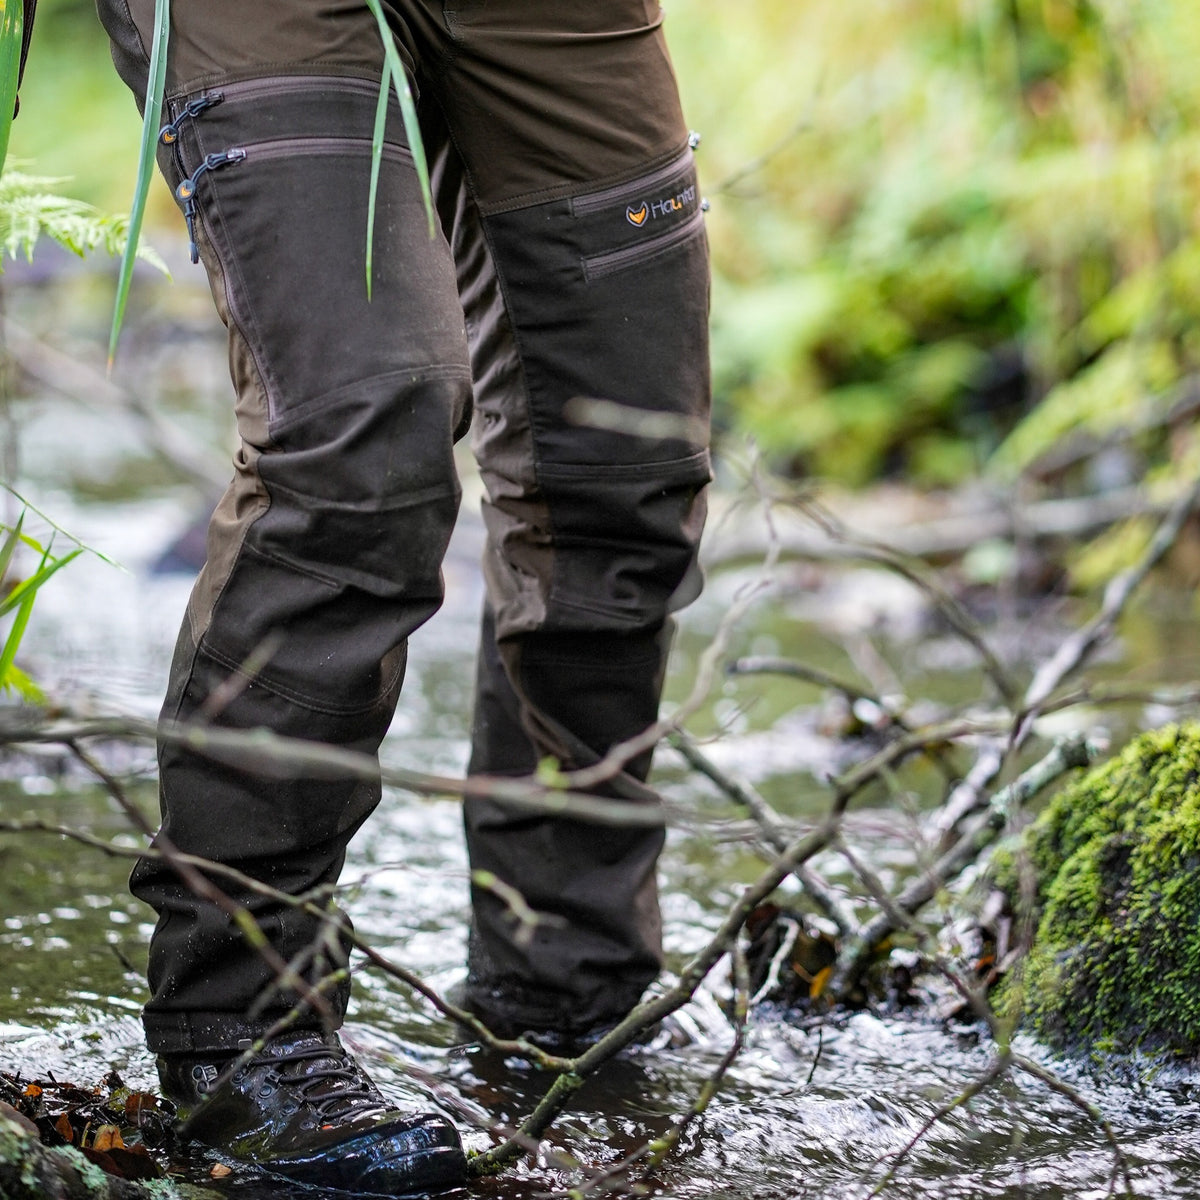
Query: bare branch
[773, 833]
[1063, 1088]
[1067, 755]
[1078, 648]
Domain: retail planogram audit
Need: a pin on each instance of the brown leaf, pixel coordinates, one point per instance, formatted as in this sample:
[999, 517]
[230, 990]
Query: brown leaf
[124, 1162]
[220, 1171]
[33, 1090]
[108, 1137]
[137, 1103]
[134, 1162]
[101, 1158]
[64, 1128]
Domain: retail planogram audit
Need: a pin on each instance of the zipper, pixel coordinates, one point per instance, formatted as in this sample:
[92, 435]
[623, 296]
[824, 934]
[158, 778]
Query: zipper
[169, 134]
[595, 201]
[315, 144]
[281, 85]
[186, 191]
[597, 265]
[284, 148]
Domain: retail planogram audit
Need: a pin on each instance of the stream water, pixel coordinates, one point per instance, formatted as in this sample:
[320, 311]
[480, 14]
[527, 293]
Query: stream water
[804, 1111]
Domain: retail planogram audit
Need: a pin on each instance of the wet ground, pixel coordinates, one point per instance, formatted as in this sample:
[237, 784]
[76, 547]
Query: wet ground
[804, 1112]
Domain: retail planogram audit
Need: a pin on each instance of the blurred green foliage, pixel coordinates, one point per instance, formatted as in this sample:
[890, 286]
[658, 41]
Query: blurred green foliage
[947, 234]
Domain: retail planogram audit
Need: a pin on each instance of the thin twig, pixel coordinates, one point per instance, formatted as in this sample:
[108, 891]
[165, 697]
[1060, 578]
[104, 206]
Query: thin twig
[197, 883]
[652, 1155]
[1078, 648]
[1067, 755]
[1063, 1088]
[767, 820]
[652, 1011]
[994, 1072]
[270, 754]
[791, 669]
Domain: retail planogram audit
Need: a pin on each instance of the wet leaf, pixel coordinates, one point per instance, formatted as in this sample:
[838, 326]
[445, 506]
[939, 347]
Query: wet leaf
[108, 1137]
[819, 982]
[220, 1171]
[138, 1105]
[102, 1159]
[134, 1162]
[32, 1091]
[63, 1126]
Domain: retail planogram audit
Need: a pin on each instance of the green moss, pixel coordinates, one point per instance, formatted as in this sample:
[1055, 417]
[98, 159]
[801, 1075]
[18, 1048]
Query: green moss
[1115, 962]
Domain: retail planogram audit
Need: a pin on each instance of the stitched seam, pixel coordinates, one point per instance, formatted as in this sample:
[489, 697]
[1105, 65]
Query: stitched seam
[323, 400]
[312, 703]
[409, 500]
[261, 70]
[244, 319]
[633, 617]
[137, 32]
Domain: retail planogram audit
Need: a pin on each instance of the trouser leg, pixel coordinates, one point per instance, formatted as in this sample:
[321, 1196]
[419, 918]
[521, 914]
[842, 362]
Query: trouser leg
[327, 547]
[583, 269]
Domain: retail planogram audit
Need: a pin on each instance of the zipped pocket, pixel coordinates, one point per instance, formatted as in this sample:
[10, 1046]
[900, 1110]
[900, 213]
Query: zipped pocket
[596, 266]
[633, 189]
[285, 147]
[273, 86]
[265, 151]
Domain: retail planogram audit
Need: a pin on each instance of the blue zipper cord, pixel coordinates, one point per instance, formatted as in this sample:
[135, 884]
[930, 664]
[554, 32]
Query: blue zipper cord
[186, 191]
[168, 135]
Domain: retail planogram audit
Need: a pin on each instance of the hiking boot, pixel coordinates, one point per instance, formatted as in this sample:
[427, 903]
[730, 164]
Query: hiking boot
[303, 1108]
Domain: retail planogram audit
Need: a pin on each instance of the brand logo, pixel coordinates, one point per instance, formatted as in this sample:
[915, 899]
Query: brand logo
[652, 210]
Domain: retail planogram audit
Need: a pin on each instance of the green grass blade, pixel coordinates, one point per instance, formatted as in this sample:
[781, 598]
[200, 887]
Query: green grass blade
[10, 545]
[381, 109]
[27, 589]
[150, 125]
[29, 507]
[11, 25]
[13, 641]
[408, 110]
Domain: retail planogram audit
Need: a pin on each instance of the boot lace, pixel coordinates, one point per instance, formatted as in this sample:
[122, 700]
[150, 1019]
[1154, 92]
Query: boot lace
[335, 1089]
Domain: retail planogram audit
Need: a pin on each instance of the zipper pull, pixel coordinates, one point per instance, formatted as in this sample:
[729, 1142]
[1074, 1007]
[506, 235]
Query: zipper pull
[186, 191]
[168, 135]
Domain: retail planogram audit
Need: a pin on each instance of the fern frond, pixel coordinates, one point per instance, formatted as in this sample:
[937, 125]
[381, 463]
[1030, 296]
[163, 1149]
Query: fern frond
[31, 210]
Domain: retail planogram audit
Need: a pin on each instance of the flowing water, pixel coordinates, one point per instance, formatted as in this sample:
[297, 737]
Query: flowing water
[804, 1111]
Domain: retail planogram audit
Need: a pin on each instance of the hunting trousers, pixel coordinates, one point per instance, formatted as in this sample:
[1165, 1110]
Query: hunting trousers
[568, 263]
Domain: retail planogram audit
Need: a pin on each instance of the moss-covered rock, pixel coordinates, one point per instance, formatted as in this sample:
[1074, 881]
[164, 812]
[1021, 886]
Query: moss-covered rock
[1115, 963]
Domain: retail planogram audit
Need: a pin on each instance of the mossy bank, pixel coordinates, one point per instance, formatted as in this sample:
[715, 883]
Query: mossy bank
[1115, 859]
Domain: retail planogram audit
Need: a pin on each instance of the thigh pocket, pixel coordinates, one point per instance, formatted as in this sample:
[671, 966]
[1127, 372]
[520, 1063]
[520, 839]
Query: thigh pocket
[608, 291]
[278, 174]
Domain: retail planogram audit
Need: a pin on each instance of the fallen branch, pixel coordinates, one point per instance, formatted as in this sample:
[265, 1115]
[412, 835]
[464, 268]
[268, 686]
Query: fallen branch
[856, 955]
[943, 537]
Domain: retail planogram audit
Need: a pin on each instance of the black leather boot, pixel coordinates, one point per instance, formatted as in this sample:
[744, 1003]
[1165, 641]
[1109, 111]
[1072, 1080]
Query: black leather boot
[303, 1108]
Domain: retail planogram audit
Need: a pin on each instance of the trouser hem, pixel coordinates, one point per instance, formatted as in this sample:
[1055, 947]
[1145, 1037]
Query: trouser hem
[209, 1032]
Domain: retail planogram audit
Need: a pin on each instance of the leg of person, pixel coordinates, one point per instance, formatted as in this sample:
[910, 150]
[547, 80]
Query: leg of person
[583, 270]
[323, 556]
